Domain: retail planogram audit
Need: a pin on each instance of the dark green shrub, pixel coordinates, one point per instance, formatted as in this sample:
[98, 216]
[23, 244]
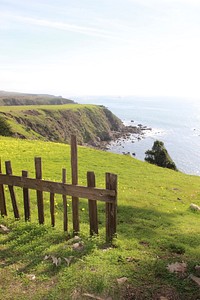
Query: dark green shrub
[159, 156]
[5, 128]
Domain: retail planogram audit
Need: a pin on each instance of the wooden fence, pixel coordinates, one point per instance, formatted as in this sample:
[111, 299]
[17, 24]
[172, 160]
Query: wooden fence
[90, 192]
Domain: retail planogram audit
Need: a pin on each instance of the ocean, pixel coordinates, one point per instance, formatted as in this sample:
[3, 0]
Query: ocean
[174, 121]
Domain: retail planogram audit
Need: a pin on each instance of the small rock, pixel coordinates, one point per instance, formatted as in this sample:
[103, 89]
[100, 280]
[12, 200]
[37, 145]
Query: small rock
[4, 229]
[78, 246]
[76, 238]
[68, 260]
[56, 260]
[107, 249]
[129, 259]
[122, 280]
[177, 267]
[92, 296]
[195, 279]
[31, 276]
[194, 207]
[47, 257]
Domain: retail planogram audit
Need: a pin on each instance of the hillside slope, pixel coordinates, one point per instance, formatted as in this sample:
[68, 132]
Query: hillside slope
[91, 124]
[155, 228]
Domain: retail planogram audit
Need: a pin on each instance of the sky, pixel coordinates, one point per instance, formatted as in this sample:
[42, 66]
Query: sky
[100, 47]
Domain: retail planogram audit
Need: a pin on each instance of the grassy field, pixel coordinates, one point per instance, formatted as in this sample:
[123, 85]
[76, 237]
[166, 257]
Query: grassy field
[155, 228]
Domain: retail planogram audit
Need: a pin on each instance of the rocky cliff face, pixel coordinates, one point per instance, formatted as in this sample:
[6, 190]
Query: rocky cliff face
[91, 124]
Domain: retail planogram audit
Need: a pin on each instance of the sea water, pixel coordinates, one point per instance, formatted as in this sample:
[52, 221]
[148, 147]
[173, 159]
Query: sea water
[174, 121]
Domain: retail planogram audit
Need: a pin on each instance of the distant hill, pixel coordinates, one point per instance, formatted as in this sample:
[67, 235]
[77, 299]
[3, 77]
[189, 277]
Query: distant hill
[13, 98]
[91, 124]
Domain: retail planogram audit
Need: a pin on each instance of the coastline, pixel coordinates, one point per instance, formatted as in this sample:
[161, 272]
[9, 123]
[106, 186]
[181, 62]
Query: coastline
[126, 132]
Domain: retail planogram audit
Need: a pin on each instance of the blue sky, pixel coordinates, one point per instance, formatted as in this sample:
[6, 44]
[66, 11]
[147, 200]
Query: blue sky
[101, 47]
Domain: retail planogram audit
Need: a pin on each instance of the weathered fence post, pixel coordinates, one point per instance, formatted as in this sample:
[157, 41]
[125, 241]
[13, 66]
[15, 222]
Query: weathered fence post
[52, 209]
[65, 217]
[92, 206]
[111, 208]
[2, 198]
[26, 199]
[40, 203]
[11, 189]
[74, 169]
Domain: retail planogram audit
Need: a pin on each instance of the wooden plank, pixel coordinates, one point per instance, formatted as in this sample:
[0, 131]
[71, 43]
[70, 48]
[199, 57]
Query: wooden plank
[11, 190]
[92, 206]
[2, 197]
[74, 160]
[104, 195]
[26, 198]
[74, 169]
[52, 209]
[111, 208]
[40, 202]
[65, 217]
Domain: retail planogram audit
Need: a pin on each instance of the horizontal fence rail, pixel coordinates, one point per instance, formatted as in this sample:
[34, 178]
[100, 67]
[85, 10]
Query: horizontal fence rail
[104, 195]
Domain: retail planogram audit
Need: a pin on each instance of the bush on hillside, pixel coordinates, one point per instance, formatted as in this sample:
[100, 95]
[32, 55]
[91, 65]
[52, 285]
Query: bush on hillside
[5, 128]
[159, 156]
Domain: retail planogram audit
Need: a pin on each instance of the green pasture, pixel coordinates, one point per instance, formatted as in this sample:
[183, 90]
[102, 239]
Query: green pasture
[155, 227]
[55, 107]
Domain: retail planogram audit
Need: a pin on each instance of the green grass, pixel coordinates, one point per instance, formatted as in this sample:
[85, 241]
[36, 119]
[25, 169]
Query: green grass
[35, 114]
[57, 122]
[155, 227]
[42, 107]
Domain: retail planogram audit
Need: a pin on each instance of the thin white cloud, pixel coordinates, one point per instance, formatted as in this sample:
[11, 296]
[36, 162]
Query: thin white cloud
[64, 26]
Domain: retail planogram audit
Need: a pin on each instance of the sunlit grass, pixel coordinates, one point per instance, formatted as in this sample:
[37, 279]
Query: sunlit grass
[42, 107]
[155, 227]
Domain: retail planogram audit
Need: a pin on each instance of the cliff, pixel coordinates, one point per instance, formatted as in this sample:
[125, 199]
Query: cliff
[92, 124]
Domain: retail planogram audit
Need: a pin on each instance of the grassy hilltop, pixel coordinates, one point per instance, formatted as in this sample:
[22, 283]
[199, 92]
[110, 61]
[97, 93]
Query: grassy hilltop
[13, 98]
[53, 118]
[90, 123]
[155, 228]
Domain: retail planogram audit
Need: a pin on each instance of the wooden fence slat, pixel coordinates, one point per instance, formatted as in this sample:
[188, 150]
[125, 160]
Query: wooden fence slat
[27, 213]
[52, 209]
[104, 195]
[65, 217]
[74, 169]
[92, 206]
[11, 190]
[111, 208]
[40, 203]
[2, 197]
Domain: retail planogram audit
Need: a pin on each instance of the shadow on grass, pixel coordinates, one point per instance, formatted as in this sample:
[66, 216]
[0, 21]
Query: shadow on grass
[159, 229]
[157, 236]
[27, 245]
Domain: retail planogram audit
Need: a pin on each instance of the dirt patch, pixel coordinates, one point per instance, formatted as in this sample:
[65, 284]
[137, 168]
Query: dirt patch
[31, 112]
[149, 293]
[22, 286]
